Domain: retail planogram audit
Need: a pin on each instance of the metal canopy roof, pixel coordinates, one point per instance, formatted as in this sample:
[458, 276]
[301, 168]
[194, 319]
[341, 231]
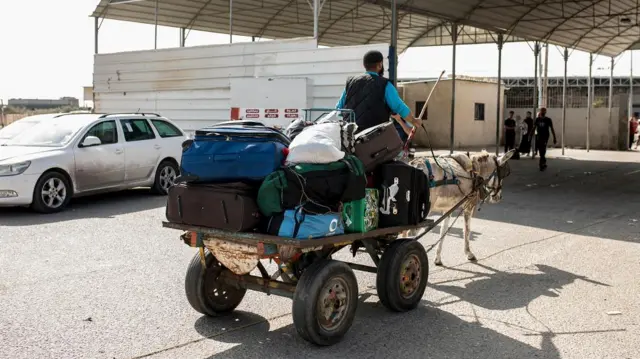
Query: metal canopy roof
[606, 27]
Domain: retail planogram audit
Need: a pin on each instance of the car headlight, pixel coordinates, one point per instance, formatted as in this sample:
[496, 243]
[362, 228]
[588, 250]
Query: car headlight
[14, 168]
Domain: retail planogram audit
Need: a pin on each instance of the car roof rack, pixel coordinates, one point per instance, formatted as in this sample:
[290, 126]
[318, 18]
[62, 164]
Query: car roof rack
[130, 113]
[71, 113]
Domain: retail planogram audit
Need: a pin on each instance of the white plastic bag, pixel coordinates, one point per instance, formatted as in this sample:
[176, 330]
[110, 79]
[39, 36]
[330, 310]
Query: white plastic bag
[317, 144]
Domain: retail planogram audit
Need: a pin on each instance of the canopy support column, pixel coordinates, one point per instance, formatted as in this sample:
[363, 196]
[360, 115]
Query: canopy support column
[589, 101]
[155, 29]
[631, 92]
[536, 53]
[231, 21]
[610, 101]
[183, 37]
[96, 31]
[499, 105]
[393, 48]
[316, 18]
[564, 98]
[454, 38]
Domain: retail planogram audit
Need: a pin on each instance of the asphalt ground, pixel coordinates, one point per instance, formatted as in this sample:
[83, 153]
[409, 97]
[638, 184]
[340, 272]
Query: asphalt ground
[557, 277]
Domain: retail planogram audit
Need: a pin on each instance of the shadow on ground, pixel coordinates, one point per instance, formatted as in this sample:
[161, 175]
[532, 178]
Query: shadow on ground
[106, 205]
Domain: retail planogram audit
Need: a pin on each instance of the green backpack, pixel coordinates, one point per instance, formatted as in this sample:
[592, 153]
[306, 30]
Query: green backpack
[320, 188]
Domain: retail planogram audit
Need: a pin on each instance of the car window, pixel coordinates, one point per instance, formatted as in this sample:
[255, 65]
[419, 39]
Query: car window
[106, 131]
[165, 129]
[137, 130]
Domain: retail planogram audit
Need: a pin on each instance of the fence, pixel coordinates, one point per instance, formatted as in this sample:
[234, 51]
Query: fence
[7, 118]
[522, 97]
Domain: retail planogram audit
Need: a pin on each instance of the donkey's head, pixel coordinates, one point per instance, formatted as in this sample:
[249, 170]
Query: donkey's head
[493, 170]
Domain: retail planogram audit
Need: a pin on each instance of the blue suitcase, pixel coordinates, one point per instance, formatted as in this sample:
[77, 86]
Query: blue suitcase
[298, 223]
[228, 152]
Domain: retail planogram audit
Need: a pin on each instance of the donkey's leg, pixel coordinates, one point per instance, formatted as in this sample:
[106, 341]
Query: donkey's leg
[443, 232]
[468, 213]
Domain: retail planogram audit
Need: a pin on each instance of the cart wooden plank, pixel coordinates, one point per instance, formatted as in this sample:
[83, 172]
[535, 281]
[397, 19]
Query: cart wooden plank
[254, 237]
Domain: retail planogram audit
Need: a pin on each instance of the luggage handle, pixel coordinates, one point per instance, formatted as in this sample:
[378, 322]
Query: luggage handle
[224, 211]
[296, 228]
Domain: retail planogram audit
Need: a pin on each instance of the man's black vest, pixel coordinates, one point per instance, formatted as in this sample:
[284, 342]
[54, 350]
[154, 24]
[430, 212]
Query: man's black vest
[365, 96]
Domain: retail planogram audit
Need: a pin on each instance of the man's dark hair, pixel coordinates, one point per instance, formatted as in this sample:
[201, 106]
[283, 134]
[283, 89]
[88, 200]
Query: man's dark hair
[528, 112]
[511, 112]
[371, 59]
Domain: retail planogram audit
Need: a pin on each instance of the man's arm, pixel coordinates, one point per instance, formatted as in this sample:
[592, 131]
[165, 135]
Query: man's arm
[395, 103]
[343, 97]
[553, 131]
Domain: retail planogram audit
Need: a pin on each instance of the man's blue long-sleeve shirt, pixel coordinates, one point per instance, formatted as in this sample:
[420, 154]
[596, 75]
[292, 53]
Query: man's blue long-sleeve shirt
[391, 97]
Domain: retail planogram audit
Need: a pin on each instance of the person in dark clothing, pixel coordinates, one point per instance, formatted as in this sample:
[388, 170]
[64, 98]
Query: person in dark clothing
[543, 126]
[374, 99]
[527, 136]
[509, 133]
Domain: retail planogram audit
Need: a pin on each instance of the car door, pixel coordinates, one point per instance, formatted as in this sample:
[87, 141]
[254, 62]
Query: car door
[171, 138]
[142, 153]
[101, 165]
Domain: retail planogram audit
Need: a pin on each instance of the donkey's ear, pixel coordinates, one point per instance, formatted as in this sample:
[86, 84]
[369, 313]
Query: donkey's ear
[506, 157]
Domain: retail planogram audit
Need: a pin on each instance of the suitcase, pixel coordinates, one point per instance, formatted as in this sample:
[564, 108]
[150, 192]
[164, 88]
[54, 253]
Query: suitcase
[222, 153]
[377, 145]
[320, 188]
[229, 206]
[300, 224]
[404, 194]
[361, 216]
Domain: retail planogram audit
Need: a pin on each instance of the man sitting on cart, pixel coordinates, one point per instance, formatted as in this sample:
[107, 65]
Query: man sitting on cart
[374, 99]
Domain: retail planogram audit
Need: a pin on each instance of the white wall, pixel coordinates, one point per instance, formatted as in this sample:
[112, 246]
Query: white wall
[192, 85]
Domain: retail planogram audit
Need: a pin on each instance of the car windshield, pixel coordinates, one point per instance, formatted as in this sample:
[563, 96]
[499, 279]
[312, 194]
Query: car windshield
[15, 128]
[54, 132]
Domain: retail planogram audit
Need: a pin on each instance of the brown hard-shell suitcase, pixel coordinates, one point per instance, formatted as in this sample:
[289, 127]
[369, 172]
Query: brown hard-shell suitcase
[377, 145]
[228, 206]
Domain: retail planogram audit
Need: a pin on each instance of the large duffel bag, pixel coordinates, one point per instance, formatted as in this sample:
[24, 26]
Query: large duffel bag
[404, 194]
[232, 152]
[299, 223]
[229, 206]
[320, 188]
[377, 145]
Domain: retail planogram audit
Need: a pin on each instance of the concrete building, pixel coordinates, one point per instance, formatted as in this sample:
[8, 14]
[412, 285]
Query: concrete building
[37, 104]
[475, 111]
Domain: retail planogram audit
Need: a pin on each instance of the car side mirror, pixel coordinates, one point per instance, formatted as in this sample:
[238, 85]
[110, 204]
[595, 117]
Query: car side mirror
[91, 141]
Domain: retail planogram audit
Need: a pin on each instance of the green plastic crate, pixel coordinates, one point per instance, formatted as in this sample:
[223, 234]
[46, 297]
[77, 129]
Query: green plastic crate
[361, 216]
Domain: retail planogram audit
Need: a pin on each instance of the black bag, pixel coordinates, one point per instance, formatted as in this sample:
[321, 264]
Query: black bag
[377, 145]
[229, 206]
[404, 194]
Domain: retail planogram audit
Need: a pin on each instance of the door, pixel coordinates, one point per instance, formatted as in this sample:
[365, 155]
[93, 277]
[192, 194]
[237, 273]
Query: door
[142, 153]
[170, 138]
[102, 165]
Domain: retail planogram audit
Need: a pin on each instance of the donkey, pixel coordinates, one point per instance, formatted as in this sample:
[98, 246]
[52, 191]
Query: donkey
[480, 174]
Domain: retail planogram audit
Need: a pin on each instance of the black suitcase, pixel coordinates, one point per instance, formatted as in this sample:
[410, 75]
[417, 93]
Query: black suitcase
[377, 145]
[404, 194]
[229, 206]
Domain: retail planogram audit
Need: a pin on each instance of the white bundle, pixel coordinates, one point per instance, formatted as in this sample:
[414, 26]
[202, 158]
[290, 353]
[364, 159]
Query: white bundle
[319, 143]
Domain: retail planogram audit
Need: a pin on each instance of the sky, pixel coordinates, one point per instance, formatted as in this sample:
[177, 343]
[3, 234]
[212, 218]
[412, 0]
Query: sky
[47, 50]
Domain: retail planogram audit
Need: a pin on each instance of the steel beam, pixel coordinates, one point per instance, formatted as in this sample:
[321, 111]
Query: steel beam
[183, 37]
[393, 49]
[454, 38]
[155, 34]
[536, 53]
[316, 18]
[564, 98]
[611, 100]
[231, 21]
[589, 101]
[631, 85]
[96, 31]
[499, 105]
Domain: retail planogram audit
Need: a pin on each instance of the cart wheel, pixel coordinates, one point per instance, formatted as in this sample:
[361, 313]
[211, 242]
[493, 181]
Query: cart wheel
[402, 275]
[205, 293]
[325, 302]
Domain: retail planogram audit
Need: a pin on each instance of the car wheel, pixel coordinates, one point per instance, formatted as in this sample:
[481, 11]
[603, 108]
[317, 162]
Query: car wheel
[165, 176]
[52, 193]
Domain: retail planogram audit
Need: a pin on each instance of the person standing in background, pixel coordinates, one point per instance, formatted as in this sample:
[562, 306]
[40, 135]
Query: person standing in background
[527, 134]
[543, 126]
[633, 130]
[509, 133]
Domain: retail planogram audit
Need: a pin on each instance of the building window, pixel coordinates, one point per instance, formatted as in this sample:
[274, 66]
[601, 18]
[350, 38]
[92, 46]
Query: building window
[419, 105]
[478, 112]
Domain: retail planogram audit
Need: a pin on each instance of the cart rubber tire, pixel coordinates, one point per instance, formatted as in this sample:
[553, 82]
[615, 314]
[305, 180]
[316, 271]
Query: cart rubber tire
[223, 298]
[320, 280]
[402, 275]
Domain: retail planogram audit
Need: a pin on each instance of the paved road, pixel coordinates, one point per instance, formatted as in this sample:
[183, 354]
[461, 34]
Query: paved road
[104, 280]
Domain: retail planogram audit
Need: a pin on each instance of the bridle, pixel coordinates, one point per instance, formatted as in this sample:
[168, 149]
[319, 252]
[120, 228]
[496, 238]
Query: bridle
[498, 175]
